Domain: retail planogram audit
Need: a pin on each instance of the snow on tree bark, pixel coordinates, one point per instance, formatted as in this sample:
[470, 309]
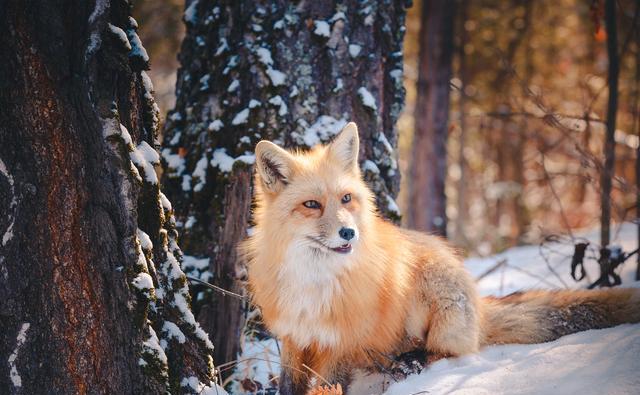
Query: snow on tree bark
[294, 73]
[92, 298]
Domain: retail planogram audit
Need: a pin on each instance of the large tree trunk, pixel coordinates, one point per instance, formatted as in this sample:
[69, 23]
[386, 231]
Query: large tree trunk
[92, 298]
[427, 202]
[292, 72]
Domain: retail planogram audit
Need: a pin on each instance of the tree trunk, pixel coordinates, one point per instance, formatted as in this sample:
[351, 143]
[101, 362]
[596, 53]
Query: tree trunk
[92, 298]
[461, 185]
[292, 72]
[427, 203]
[612, 108]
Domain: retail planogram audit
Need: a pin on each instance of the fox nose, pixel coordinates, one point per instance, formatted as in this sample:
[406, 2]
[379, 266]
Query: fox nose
[347, 233]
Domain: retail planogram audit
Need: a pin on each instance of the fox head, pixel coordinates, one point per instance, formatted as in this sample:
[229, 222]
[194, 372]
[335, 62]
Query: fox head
[314, 201]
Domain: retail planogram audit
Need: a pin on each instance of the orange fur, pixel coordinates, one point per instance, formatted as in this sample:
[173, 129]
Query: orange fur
[397, 288]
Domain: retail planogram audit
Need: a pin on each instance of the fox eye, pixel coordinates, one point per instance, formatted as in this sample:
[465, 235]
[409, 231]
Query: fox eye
[346, 198]
[312, 204]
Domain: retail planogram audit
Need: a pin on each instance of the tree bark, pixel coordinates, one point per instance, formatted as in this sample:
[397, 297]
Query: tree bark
[291, 72]
[427, 204]
[612, 108]
[90, 285]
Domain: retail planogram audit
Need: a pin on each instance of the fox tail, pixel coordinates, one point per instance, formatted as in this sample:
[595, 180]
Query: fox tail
[542, 316]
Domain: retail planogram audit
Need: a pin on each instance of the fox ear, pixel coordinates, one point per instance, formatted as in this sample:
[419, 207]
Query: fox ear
[346, 145]
[274, 165]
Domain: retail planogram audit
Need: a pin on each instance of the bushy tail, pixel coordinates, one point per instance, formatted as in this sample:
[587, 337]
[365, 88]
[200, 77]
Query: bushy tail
[541, 316]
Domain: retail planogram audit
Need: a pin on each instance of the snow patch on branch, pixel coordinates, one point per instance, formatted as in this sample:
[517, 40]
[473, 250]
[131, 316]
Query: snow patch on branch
[151, 349]
[143, 282]
[121, 35]
[145, 157]
[145, 240]
[173, 332]
[13, 370]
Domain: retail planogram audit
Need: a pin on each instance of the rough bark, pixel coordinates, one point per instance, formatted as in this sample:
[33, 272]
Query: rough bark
[292, 72]
[427, 205]
[83, 290]
[612, 109]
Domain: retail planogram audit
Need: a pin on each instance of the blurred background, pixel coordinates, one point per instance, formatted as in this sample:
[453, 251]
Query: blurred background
[528, 99]
[502, 140]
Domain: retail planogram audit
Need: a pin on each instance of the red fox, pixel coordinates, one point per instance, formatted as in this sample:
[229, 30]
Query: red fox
[340, 286]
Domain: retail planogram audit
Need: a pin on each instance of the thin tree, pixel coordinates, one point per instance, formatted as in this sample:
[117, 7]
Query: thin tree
[427, 202]
[90, 282]
[612, 108]
[290, 72]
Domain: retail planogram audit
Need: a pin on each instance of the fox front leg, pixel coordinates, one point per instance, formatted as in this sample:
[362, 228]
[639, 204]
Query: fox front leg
[292, 382]
[293, 378]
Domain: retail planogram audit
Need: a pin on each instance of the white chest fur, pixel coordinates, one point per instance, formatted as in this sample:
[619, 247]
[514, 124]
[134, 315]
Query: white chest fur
[308, 289]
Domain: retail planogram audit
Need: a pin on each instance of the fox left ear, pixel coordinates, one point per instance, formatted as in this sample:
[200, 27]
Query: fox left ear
[345, 146]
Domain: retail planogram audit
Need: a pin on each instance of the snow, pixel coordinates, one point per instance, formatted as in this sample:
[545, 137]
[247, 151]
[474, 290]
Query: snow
[144, 239]
[594, 362]
[277, 101]
[124, 133]
[143, 281]
[337, 16]
[122, 36]
[166, 204]
[201, 173]
[174, 161]
[191, 220]
[253, 103]
[215, 125]
[152, 346]
[16, 380]
[354, 50]
[145, 156]
[367, 98]
[190, 14]
[392, 206]
[370, 166]
[258, 361]
[137, 48]
[322, 130]
[339, 85]
[173, 332]
[383, 139]
[396, 74]
[241, 117]
[234, 85]
[190, 263]
[265, 56]
[223, 46]
[277, 77]
[8, 234]
[224, 162]
[323, 29]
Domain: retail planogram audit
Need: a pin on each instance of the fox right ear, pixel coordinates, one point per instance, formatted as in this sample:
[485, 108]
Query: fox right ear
[274, 165]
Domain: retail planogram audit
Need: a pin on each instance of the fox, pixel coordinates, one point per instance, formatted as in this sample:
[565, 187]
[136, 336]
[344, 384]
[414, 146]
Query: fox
[341, 287]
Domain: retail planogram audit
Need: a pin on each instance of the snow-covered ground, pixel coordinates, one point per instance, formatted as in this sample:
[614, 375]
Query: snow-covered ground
[593, 362]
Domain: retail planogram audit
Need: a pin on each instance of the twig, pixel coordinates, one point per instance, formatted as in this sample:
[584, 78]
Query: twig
[492, 269]
[216, 288]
